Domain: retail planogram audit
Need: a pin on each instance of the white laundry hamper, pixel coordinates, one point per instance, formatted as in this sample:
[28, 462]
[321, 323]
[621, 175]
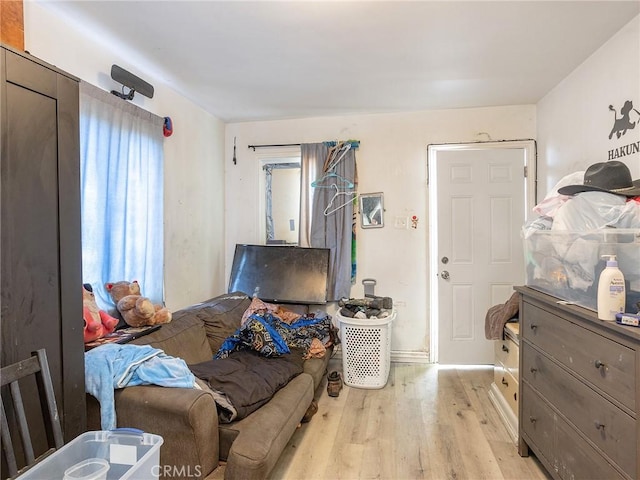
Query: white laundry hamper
[366, 350]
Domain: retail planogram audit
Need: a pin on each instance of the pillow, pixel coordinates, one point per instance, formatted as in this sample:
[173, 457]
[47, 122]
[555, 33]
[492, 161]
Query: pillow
[183, 337]
[221, 316]
[258, 307]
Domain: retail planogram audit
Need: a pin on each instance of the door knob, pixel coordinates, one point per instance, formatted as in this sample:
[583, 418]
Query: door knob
[445, 260]
[445, 275]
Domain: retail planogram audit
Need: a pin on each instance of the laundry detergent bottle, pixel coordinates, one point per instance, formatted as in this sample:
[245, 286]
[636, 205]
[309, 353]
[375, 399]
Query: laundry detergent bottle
[611, 292]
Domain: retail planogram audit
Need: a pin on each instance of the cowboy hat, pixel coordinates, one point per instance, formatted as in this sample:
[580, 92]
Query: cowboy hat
[611, 177]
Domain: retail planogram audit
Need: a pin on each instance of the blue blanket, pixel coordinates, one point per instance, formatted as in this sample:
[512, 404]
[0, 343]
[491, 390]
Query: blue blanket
[114, 366]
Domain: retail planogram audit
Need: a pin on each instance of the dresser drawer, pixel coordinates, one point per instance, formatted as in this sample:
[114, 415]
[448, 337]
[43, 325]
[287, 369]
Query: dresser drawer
[566, 453]
[608, 365]
[606, 425]
[508, 387]
[576, 459]
[538, 422]
[506, 353]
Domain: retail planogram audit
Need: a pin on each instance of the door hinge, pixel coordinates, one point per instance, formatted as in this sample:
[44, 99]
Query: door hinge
[526, 171]
[427, 171]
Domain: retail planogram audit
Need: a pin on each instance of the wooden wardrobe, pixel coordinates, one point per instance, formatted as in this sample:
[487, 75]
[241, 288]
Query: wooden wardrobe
[40, 291]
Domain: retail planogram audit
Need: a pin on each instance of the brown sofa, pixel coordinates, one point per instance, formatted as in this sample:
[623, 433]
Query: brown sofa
[187, 419]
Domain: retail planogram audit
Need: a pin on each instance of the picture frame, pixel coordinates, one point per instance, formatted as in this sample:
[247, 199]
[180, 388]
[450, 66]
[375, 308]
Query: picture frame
[372, 210]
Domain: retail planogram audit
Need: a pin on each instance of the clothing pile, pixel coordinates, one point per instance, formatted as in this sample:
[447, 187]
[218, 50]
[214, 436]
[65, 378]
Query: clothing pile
[271, 329]
[369, 307]
[114, 366]
[599, 216]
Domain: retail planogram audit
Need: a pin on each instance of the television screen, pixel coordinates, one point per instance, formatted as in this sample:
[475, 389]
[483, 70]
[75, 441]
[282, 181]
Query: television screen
[281, 274]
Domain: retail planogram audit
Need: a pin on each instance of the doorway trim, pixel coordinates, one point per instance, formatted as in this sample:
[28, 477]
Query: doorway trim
[531, 182]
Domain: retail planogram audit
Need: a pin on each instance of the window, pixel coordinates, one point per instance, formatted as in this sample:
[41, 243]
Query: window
[122, 181]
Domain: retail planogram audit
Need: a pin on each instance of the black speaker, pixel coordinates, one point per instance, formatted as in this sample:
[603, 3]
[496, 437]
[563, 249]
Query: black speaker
[129, 80]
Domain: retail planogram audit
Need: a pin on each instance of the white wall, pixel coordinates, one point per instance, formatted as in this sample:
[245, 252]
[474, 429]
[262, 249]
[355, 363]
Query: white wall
[574, 120]
[194, 154]
[392, 159]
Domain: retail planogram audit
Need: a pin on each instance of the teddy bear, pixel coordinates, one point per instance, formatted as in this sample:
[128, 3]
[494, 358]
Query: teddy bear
[136, 310]
[97, 323]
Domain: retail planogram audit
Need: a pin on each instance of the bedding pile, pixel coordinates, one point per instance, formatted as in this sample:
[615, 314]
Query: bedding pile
[262, 356]
[244, 381]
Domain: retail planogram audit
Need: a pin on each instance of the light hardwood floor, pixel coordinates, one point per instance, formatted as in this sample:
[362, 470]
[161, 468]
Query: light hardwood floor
[428, 422]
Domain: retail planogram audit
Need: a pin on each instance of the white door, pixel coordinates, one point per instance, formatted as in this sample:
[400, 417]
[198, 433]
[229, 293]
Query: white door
[478, 204]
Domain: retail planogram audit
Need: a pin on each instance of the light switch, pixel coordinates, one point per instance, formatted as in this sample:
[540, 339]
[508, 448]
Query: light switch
[401, 222]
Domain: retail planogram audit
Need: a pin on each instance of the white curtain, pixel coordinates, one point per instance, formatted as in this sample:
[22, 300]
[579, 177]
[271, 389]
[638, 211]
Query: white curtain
[332, 230]
[121, 194]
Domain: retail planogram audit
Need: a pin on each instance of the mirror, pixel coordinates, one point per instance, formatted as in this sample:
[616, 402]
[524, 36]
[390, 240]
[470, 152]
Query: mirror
[372, 210]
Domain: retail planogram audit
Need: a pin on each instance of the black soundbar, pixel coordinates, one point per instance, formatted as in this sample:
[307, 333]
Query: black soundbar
[129, 80]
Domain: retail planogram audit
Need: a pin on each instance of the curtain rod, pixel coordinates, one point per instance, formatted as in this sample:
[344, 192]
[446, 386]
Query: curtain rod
[270, 146]
[354, 144]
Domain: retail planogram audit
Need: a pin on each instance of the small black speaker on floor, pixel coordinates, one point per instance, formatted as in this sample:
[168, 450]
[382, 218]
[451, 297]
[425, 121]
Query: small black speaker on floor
[133, 83]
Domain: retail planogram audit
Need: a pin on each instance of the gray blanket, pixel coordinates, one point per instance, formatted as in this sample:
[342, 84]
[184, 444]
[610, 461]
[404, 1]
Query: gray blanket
[245, 380]
[498, 315]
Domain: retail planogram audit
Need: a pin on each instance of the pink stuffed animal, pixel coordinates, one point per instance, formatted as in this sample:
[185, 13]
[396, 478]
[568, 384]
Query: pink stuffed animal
[97, 323]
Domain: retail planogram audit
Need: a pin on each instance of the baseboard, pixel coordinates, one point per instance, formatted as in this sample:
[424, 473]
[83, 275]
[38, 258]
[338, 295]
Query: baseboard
[398, 356]
[509, 419]
[410, 357]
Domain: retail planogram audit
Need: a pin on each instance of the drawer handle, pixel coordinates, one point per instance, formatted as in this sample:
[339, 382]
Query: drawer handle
[534, 326]
[505, 348]
[599, 364]
[533, 370]
[504, 382]
[600, 426]
[532, 419]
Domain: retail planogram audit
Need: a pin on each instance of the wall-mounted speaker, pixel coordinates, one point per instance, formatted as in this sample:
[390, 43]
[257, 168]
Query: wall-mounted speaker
[133, 83]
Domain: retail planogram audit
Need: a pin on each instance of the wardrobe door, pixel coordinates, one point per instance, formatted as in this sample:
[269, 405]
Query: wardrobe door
[40, 246]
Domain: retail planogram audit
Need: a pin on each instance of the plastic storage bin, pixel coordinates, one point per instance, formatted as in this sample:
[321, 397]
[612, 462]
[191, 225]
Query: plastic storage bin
[567, 264]
[130, 455]
[366, 350]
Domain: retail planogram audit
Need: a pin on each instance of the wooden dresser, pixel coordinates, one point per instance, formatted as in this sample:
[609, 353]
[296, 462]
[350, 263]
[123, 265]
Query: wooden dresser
[579, 390]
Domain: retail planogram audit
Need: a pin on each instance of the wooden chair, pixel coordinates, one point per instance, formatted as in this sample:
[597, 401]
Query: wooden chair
[10, 375]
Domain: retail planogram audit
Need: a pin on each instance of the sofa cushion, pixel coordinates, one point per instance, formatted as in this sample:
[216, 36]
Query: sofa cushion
[252, 446]
[184, 337]
[221, 316]
[317, 367]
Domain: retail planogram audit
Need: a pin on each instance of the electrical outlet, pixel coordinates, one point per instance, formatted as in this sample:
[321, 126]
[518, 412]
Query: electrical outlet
[401, 222]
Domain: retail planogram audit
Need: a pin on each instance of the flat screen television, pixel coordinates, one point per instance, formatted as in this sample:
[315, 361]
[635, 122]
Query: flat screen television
[281, 274]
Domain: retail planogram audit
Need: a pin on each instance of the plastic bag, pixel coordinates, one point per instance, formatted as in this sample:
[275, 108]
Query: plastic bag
[549, 206]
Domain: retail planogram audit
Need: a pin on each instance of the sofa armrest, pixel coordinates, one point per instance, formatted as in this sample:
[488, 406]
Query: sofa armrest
[186, 419]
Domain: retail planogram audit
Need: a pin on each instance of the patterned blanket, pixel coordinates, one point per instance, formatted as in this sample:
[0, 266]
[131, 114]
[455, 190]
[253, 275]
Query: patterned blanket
[271, 337]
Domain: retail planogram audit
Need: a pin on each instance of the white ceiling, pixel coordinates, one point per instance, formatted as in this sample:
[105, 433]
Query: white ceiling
[263, 60]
